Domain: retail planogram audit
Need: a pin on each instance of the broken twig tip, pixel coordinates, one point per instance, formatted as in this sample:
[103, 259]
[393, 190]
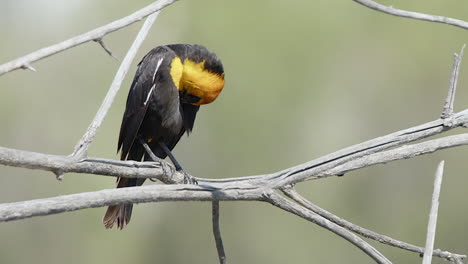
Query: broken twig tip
[28, 67]
[58, 175]
[462, 49]
[447, 111]
[106, 49]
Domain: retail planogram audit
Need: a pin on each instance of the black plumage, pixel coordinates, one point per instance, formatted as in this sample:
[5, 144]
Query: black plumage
[161, 107]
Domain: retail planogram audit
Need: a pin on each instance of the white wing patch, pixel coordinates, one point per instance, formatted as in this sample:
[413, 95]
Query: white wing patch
[149, 94]
[154, 84]
[157, 67]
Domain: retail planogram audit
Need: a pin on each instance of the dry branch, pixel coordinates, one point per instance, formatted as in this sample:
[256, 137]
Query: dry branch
[293, 194]
[414, 15]
[217, 232]
[143, 194]
[106, 167]
[450, 100]
[332, 161]
[159, 170]
[431, 226]
[93, 35]
[81, 148]
[281, 202]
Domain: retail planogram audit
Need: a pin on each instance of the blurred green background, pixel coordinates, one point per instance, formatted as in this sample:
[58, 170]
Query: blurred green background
[303, 79]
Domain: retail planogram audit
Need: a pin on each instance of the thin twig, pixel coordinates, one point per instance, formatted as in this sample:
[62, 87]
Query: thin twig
[217, 232]
[82, 147]
[450, 100]
[294, 195]
[414, 15]
[431, 226]
[283, 203]
[94, 34]
[106, 49]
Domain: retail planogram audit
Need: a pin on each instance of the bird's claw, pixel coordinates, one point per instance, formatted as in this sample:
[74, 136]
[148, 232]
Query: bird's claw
[189, 179]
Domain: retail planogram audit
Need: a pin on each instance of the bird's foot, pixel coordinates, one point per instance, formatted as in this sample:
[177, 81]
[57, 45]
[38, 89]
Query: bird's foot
[189, 179]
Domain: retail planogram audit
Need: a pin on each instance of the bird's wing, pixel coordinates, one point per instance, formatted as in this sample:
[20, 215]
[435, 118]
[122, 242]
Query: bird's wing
[143, 86]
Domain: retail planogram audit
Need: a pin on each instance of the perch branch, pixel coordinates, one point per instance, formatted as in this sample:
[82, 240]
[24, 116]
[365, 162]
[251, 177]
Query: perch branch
[95, 34]
[106, 167]
[294, 195]
[82, 147]
[217, 232]
[431, 226]
[280, 202]
[133, 169]
[414, 15]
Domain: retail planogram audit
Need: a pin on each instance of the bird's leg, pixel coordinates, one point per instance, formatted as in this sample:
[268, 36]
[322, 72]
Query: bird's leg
[148, 149]
[151, 155]
[187, 177]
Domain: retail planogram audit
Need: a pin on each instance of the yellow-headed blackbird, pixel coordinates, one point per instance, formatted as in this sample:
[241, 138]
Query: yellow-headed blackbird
[169, 86]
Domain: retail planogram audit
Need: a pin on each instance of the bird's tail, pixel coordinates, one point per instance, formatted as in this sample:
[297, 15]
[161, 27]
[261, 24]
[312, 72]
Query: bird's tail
[119, 214]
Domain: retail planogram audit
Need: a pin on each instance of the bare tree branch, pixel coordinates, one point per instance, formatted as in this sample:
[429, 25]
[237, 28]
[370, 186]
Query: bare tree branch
[159, 170]
[82, 147]
[106, 167]
[431, 226]
[293, 194]
[217, 232]
[332, 161]
[450, 100]
[95, 34]
[404, 152]
[414, 15]
[279, 201]
[142, 194]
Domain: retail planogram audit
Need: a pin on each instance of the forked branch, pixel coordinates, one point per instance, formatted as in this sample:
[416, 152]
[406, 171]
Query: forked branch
[294, 195]
[93, 35]
[81, 148]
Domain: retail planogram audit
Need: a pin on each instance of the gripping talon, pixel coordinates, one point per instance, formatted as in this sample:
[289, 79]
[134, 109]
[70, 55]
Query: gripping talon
[189, 179]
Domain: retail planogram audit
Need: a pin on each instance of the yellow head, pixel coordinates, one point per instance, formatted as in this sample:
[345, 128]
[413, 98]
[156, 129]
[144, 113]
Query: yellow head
[195, 79]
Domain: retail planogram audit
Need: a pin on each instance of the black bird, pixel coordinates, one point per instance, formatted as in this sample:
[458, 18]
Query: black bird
[170, 84]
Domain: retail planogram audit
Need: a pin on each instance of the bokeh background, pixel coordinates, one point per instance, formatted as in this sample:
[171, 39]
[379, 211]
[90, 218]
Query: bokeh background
[304, 78]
